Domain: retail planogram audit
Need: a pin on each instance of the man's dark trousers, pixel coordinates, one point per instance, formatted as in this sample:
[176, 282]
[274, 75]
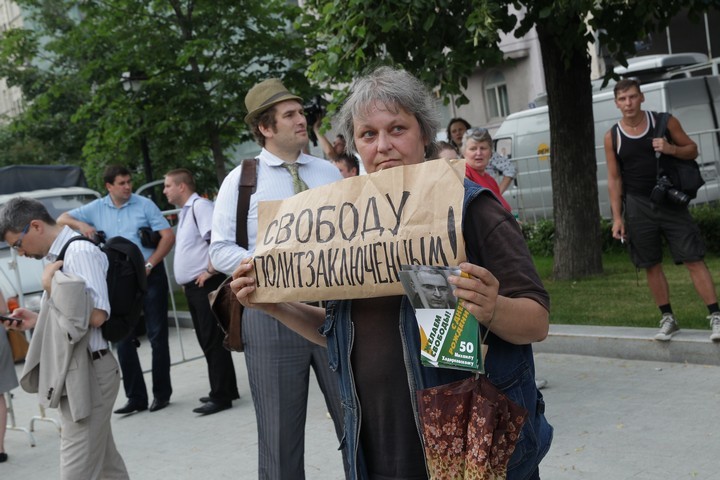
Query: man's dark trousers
[155, 308]
[221, 371]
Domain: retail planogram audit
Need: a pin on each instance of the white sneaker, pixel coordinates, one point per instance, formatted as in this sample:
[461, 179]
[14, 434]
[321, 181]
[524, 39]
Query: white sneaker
[668, 327]
[714, 319]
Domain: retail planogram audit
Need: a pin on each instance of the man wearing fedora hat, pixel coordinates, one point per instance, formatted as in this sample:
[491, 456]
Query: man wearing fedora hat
[278, 360]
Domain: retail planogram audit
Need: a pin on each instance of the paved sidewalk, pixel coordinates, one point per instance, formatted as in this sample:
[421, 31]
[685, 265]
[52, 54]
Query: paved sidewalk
[613, 418]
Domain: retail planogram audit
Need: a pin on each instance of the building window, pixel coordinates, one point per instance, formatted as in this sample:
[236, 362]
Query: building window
[496, 97]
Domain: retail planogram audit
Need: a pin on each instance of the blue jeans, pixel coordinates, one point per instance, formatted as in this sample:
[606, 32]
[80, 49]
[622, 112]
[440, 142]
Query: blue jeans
[155, 308]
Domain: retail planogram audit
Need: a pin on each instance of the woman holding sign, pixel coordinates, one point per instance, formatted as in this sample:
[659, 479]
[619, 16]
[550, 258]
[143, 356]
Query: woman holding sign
[390, 120]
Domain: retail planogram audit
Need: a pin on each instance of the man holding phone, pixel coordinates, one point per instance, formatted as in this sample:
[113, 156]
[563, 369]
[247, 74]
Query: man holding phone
[12, 321]
[87, 447]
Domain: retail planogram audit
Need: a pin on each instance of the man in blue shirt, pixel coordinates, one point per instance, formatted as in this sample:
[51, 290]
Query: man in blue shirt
[122, 213]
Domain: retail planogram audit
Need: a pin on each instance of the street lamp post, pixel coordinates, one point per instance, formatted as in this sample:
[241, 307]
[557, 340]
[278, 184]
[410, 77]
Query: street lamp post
[132, 82]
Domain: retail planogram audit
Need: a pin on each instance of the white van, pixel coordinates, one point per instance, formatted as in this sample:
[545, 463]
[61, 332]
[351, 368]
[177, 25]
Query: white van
[525, 137]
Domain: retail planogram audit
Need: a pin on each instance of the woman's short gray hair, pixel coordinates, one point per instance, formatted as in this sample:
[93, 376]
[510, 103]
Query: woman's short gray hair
[394, 89]
[477, 134]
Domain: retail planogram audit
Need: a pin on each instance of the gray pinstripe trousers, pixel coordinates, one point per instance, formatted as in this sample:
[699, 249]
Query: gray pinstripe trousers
[278, 362]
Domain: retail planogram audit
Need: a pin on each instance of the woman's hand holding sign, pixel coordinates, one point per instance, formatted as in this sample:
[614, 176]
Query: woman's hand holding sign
[304, 319]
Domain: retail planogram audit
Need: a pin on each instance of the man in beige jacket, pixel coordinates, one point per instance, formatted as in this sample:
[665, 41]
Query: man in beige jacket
[75, 304]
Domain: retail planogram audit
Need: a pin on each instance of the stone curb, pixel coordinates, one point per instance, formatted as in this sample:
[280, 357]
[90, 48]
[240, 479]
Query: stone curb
[687, 346]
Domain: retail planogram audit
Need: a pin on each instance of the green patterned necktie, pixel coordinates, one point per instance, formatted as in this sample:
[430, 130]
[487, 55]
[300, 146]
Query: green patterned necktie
[298, 184]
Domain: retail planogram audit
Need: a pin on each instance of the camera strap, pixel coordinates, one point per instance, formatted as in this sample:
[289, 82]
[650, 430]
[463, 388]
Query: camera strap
[661, 120]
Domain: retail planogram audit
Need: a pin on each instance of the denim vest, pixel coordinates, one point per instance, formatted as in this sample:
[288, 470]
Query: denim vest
[509, 367]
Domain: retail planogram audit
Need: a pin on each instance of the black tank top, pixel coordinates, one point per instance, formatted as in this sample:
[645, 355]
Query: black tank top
[636, 157]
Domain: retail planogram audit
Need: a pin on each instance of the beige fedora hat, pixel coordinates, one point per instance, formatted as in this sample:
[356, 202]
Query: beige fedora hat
[264, 95]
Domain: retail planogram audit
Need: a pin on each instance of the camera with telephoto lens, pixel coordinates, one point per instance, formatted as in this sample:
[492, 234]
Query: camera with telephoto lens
[314, 110]
[664, 190]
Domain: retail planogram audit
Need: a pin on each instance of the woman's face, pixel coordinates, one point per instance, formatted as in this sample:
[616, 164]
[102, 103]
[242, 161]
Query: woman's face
[385, 139]
[457, 130]
[477, 154]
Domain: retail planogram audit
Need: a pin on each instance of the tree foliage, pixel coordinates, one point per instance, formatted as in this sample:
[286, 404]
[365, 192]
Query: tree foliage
[443, 42]
[198, 58]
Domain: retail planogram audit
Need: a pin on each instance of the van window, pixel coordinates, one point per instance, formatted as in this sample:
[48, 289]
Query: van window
[503, 146]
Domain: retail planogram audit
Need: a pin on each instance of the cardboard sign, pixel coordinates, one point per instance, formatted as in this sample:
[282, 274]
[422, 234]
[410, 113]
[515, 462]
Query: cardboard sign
[349, 239]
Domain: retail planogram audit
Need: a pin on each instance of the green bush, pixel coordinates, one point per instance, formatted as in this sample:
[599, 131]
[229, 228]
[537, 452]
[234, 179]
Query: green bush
[609, 244]
[540, 236]
[707, 216]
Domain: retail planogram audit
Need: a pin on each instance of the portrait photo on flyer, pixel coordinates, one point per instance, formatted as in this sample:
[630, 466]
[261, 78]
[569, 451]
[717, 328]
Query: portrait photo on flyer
[449, 333]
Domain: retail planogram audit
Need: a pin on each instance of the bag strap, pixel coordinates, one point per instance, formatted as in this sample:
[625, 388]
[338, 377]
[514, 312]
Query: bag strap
[197, 227]
[661, 120]
[248, 182]
[661, 124]
[614, 132]
[61, 255]
[192, 209]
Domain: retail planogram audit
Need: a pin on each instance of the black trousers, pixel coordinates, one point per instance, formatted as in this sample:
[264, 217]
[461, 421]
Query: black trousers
[221, 371]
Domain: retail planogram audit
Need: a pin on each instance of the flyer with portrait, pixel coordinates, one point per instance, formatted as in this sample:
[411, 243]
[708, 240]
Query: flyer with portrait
[449, 333]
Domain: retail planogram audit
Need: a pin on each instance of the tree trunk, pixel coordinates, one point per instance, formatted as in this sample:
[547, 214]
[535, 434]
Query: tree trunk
[572, 161]
[217, 153]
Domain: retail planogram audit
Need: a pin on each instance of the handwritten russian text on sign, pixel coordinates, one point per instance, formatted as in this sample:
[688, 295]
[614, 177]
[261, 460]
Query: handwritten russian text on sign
[349, 239]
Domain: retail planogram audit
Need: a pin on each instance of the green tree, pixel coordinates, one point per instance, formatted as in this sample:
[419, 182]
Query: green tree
[197, 59]
[444, 41]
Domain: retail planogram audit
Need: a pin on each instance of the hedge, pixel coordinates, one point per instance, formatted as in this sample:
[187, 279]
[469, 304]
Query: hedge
[540, 236]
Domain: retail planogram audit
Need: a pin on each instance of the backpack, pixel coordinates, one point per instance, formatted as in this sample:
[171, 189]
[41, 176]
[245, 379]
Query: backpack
[683, 174]
[126, 282]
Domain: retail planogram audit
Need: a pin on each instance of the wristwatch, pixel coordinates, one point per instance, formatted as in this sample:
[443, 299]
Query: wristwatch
[149, 266]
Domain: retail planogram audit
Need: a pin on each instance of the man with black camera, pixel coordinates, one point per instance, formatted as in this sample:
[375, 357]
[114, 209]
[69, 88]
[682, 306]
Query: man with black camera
[121, 214]
[647, 206]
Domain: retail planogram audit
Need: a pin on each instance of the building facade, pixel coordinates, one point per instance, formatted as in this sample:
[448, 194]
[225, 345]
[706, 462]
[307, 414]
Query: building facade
[10, 97]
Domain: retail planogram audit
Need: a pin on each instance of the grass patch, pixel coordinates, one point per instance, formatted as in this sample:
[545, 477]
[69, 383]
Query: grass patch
[620, 296]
